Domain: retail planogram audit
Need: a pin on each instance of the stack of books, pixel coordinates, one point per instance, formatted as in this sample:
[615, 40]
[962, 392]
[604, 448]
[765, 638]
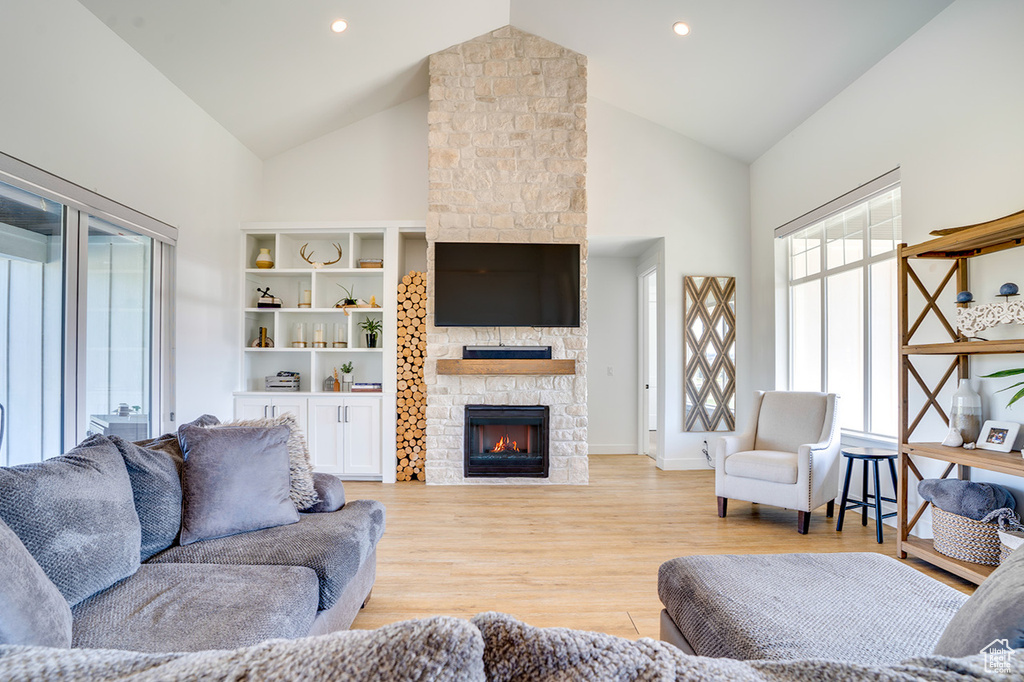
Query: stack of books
[363, 387]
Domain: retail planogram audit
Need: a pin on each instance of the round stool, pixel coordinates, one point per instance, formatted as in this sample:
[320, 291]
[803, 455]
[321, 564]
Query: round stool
[870, 456]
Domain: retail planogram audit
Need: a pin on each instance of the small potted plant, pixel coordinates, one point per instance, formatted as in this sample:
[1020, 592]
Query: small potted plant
[372, 327]
[346, 377]
[349, 299]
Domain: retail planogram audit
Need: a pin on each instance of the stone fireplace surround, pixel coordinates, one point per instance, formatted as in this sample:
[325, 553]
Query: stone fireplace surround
[507, 152]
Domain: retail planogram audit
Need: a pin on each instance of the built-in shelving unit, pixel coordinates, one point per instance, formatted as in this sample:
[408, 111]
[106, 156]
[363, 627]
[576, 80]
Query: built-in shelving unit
[959, 246]
[349, 433]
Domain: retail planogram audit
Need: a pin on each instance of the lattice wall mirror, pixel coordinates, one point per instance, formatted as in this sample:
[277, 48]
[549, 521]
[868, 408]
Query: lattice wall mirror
[709, 353]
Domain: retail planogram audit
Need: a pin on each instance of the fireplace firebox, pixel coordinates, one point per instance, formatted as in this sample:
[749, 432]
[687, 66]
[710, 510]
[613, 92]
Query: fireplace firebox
[506, 440]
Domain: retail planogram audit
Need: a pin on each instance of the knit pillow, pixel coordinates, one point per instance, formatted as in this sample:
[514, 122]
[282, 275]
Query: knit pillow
[300, 469]
[32, 610]
[156, 488]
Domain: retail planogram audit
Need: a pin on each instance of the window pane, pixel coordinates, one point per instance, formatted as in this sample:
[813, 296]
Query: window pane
[31, 326]
[805, 356]
[883, 348]
[118, 330]
[845, 306]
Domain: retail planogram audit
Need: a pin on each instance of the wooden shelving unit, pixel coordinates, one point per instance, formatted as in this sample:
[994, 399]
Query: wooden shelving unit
[506, 366]
[958, 245]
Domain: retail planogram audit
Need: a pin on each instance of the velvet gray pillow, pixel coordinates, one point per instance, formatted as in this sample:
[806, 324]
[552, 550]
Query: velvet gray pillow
[992, 613]
[303, 492]
[76, 516]
[32, 610]
[235, 480]
[331, 491]
[156, 489]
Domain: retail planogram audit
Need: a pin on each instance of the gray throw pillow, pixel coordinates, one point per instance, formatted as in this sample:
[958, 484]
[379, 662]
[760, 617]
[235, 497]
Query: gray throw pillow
[992, 613]
[235, 480]
[76, 516]
[331, 491]
[32, 610]
[156, 488]
[300, 468]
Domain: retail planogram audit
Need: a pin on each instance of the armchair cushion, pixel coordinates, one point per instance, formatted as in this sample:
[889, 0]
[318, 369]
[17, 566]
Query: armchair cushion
[763, 465]
[789, 419]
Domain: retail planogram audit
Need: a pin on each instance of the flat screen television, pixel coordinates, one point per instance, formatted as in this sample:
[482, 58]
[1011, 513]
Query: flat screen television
[482, 284]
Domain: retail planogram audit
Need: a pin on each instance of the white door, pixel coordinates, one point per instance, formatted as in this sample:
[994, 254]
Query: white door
[362, 436]
[326, 434]
[295, 406]
[252, 408]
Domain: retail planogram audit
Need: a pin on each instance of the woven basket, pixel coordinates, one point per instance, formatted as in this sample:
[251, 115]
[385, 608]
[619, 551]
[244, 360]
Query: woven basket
[965, 539]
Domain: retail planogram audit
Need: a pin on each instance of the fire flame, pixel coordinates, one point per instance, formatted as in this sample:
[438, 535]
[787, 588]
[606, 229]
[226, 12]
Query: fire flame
[505, 444]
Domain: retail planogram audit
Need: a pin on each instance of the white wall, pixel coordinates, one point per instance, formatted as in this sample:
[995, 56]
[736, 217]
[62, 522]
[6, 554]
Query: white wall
[644, 180]
[612, 380]
[946, 108]
[375, 169]
[80, 103]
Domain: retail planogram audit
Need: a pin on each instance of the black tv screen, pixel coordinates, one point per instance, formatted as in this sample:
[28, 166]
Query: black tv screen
[480, 284]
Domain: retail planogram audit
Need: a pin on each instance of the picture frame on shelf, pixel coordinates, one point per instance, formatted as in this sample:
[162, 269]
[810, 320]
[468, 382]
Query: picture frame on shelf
[998, 436]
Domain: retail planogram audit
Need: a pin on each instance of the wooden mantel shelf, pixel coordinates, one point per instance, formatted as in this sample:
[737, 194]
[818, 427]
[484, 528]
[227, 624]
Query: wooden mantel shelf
[506, 367]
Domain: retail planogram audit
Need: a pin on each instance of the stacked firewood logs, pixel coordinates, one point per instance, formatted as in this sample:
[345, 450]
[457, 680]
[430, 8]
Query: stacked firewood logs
[412, 394]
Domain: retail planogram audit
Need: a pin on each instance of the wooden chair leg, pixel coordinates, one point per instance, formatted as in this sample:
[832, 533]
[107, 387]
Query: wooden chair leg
[803, 522]
[723, 502]
[830, 510]
[367, 600]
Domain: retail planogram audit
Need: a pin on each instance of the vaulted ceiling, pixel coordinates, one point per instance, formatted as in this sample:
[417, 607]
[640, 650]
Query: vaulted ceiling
[274, 75]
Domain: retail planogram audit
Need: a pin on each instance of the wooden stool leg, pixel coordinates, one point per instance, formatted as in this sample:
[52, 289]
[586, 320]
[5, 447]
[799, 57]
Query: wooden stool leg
[846, 495]
[803, 522]
[878, 503]
[723, 503]
[892, 472]
[864, 496]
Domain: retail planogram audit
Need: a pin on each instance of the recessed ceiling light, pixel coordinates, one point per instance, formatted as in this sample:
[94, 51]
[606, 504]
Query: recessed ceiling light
[339, 25]
[681, 28]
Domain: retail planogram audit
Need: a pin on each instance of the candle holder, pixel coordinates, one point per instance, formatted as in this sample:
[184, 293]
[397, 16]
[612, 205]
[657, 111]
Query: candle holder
[299, 336]
[338, 334]
[319, 338]
[305, 296]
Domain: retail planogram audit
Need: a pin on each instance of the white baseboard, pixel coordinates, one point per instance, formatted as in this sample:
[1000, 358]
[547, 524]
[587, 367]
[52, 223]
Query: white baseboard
[621, 449]
[683, 463]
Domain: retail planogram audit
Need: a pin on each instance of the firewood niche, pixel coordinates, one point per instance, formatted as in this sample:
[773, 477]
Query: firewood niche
[411, 397]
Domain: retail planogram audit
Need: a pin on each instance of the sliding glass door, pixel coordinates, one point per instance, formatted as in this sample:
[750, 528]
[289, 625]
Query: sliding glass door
[31, 325]
[86, 317]
[119, 327]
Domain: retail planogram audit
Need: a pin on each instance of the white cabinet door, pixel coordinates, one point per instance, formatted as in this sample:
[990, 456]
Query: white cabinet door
[326, 434]
[297, 406]
[252, 408]
[362, 436]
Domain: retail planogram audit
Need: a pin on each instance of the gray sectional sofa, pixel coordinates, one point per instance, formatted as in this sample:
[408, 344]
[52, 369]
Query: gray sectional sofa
[89, 541]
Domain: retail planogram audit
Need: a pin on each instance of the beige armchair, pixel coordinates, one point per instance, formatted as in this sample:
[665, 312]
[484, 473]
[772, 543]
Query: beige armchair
[788, 456]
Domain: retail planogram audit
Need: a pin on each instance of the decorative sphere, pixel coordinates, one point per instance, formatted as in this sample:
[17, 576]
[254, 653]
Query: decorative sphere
[964, 297]
[1008, 289]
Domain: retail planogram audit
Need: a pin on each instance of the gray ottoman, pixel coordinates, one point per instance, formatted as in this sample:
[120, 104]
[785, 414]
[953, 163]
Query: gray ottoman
[856, 607]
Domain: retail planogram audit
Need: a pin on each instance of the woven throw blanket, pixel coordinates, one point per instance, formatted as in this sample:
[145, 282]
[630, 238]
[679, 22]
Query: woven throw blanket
[514, 651]
[493, 647]
[442, 649]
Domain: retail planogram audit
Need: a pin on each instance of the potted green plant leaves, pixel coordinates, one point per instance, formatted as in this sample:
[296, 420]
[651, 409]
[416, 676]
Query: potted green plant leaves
[348, 299]
[372, 327]
[1009, 373]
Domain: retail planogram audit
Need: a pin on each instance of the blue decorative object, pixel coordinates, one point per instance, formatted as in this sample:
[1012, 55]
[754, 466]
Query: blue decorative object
[964, 297]
[1008, 289]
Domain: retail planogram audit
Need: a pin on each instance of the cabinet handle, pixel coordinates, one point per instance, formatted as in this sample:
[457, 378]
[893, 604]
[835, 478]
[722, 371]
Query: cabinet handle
[274, 413]
[346, 414]
[265, 408]
[340, 418]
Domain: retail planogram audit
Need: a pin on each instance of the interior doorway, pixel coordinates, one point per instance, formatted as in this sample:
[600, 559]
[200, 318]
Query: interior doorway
[647, 289]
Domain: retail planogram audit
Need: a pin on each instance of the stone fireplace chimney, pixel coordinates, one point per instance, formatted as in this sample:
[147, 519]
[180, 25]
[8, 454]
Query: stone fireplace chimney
[507, 163]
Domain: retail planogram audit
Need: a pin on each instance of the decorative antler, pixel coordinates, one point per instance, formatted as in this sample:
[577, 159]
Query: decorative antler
[305, 257]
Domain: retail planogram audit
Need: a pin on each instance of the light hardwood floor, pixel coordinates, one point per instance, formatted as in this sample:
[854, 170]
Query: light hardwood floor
[575, 556]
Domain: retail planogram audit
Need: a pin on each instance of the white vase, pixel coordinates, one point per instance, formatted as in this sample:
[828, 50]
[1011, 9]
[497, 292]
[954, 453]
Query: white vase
[264, 260]
[965, 412]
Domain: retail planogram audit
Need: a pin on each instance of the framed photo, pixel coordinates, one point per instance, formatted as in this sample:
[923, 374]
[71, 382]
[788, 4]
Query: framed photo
[998, 436]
